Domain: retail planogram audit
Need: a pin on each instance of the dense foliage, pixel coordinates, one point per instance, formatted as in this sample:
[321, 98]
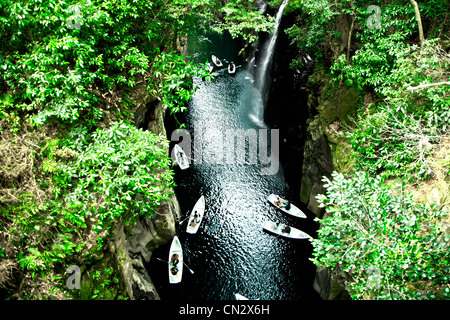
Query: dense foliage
[123, 171]
[59, 59]
[408, 122]
[397, 58]
[389, 65]
[243, 20]
[72, 163]
[389, 247]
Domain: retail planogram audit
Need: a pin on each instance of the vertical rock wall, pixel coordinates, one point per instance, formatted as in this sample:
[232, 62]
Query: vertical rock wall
[130, 248]
[303, 105]
[133, 248]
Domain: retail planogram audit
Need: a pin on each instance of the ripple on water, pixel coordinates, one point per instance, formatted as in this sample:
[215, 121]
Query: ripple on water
[231, 252]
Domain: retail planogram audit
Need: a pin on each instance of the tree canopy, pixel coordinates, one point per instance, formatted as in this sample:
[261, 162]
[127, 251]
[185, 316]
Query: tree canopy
[72, 163]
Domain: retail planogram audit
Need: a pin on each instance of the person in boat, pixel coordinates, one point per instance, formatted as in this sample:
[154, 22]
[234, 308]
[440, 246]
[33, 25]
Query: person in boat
[217, 61]
[278, 201]
[286, 229]
[174, 270]
[192, 224]
[180, 157]
[196, 216]
[175, 259]
[287, 205]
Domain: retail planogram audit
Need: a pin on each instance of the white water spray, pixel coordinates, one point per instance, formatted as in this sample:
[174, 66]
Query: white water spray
[268, 51]
[262, 70]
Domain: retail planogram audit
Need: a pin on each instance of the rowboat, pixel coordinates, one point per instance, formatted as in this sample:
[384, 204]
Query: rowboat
[180, 157]
[210, 67]
[284, 230]
[217, 61]
[231, 68]
[175, 261]
[240, 297]
[281, 204]
[196, 216]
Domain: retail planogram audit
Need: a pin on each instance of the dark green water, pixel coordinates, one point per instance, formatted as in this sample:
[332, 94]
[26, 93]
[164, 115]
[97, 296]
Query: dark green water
[231, 253]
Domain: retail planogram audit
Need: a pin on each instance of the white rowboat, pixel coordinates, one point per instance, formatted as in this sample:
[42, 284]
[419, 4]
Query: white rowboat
[175, 261]
[180, 157]
[196, 216]
[240, 297]
[280, 203]
[280, 229]
[210, 67]
[217, 61]
[231, 68]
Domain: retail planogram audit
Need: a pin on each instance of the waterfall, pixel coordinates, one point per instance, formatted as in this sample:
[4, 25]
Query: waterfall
[261, 76]
[262, 5]
[267, 52]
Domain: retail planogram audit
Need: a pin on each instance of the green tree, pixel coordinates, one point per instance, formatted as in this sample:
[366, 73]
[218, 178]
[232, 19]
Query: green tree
[75, 61]
[243, 19]
[123, 173]
[385, 245]
[70, 68]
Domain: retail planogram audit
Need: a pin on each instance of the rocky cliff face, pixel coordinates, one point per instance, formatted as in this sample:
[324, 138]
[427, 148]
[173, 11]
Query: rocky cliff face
[325, 150]
[309, 112]
[133, 248]
[317, 162]
[285, 106]
[130, 247]
[292, 106]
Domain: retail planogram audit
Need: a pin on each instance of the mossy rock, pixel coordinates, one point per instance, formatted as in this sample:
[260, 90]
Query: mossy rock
[342, 157]
[86, 288]
[304, 191]
[339, 105]
[337, 108]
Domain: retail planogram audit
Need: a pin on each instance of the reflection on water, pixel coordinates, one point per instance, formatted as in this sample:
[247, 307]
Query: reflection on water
[231, 252]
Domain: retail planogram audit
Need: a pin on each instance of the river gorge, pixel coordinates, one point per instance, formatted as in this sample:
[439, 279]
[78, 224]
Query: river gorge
[231, 253]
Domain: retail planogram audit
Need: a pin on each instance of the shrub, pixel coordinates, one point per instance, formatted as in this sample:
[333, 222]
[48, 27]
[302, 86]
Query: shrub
[393, 145]
[73, 62]
[386, 246]
[123, 172]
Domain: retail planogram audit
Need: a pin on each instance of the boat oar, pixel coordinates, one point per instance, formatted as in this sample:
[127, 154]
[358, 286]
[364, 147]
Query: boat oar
[162, 260]
[188, 216]
[277, 236]
[182, 221]
[192, 271]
